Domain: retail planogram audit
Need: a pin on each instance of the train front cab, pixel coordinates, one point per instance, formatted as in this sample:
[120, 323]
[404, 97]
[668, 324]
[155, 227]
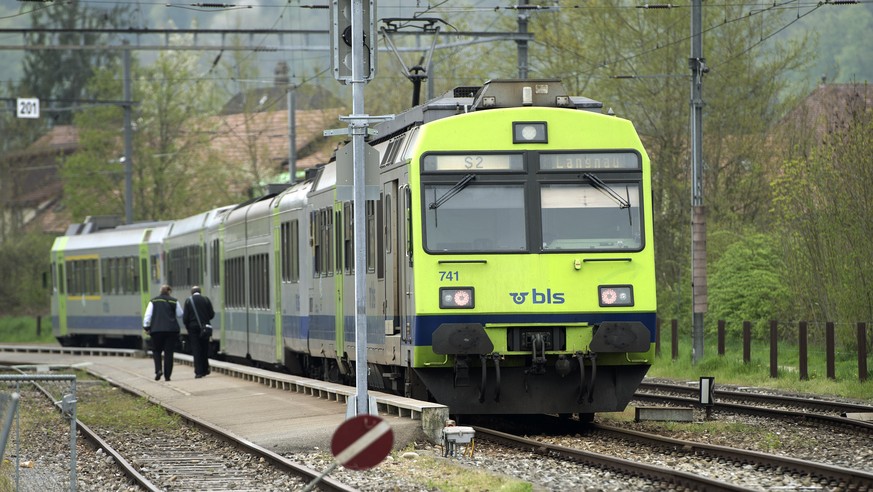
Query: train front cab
[534, 265]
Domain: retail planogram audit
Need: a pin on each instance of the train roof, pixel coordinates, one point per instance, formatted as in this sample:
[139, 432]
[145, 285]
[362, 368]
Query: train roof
[113, 238]
[494, 94]
[197, 222]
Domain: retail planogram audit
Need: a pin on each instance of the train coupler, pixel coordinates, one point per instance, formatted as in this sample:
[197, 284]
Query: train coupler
[484, 361]
[586, 389]
[538, 360]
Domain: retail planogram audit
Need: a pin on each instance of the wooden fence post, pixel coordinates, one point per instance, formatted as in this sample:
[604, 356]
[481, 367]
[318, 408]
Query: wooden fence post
[829, 349]
[674, 328]
[747, 342]
[862, 351]
[804, 349]
[721, 337]
[774, 349]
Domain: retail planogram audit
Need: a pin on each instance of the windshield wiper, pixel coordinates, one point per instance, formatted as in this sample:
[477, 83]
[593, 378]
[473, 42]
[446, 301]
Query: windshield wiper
[454, 190]
[607, 190]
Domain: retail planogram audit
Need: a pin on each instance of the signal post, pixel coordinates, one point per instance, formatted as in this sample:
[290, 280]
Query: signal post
[353, 61]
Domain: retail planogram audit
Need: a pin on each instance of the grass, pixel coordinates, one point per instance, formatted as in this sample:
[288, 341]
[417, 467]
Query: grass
[453, 475]
[730, 369]
[22, 329]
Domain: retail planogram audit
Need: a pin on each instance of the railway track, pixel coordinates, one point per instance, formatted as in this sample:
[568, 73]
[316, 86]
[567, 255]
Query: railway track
[182, 462]
[666, 461]
[662, 478]
[763, 404]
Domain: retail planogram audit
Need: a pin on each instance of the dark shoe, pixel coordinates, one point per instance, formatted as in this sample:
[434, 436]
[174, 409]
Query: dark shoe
[158, 376]
[198, 376]
[167, 378]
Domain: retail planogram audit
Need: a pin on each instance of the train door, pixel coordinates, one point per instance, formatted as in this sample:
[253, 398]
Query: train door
[392, 258]
[404, 264]
[60, 288]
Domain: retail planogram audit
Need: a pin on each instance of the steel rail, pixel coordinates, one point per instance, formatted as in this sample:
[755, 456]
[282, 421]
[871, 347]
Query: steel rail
[654, 473]
[847, 476]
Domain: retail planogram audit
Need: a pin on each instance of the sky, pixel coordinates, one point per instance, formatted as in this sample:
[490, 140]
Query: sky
[244, 14]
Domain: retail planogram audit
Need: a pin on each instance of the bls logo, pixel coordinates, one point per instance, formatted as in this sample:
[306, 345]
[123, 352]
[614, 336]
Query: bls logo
[547, 297]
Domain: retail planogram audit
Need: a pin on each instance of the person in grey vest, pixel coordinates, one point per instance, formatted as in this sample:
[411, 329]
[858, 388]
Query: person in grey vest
[198, 314]
[161, 321]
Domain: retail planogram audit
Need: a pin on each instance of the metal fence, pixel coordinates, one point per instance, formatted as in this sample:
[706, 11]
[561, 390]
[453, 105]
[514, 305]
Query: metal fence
[35, 468]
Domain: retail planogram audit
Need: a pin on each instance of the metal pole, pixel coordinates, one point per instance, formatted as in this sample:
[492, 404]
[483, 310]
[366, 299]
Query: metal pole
[292, 134]
[698, 221]
[128, 139]
[522, 43]
[358, 129]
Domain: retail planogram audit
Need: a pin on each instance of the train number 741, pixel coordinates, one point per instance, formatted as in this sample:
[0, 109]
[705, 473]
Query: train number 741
[449, 276]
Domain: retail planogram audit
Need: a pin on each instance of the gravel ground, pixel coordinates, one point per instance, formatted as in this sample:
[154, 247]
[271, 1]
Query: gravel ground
[43, 453]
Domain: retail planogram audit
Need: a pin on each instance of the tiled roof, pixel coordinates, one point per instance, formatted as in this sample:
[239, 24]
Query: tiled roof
[240, 137]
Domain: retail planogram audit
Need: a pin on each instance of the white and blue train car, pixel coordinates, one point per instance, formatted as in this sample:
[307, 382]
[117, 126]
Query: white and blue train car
[103, 278]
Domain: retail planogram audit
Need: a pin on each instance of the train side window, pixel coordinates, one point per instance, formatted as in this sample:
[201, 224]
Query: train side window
[407, 207]
[295, 251]
[371, 236]
[284, 253]
[216, 265]
[380, 258]
[144, 275]
[387, 214]
[315, 241]
[104, 275]
[62, 277]
[349, 237]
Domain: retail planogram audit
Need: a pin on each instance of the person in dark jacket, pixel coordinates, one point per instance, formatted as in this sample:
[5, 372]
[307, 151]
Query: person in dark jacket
[198, 314]
[161, 321]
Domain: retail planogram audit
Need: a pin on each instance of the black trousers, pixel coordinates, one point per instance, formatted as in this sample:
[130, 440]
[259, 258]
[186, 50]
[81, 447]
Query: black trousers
[163, 347]
[200, 351]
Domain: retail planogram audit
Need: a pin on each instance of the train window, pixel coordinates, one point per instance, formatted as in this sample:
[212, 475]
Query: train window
[156, 269]
[348, 237]
[104, 275]
[216, 264]
[585, 217]
[371, 236]
[144, 272]
[475, 218]
[285, 250]
[380, 245]
[62, 278]
[315, 240]
[388, 214]
[295, 251]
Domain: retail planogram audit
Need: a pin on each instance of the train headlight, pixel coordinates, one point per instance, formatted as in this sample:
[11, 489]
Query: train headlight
[456, 298]
[616, 295]
[529, 132]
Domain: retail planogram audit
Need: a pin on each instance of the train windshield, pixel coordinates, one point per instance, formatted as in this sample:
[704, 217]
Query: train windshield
[475, 217]
[591, 216]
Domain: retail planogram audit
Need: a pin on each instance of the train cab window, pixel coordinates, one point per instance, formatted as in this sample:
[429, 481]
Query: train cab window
[475, 217]
[597, 217]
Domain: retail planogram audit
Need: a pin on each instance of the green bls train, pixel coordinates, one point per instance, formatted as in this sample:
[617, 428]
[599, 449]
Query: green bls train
[528, 284]
[509, 251]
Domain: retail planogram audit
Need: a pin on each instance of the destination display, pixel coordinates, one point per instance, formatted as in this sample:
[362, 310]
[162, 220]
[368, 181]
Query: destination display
[473, 162]
[589, 160]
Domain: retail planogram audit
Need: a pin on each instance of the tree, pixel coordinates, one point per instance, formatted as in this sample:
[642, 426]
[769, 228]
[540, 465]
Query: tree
[823, 201]
[635, 61]
[63, 75]
[748, 284]
[173, 166]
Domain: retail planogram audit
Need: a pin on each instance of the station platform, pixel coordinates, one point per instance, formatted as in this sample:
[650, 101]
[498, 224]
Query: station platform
[279, 412]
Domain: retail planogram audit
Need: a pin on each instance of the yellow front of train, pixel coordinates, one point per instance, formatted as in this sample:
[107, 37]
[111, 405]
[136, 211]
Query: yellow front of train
[533, 271]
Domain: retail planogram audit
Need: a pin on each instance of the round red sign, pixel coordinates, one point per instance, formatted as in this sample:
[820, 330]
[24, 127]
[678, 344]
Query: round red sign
[362, 442]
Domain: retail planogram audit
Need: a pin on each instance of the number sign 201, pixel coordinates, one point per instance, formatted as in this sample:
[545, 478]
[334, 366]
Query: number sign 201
[27, 107]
